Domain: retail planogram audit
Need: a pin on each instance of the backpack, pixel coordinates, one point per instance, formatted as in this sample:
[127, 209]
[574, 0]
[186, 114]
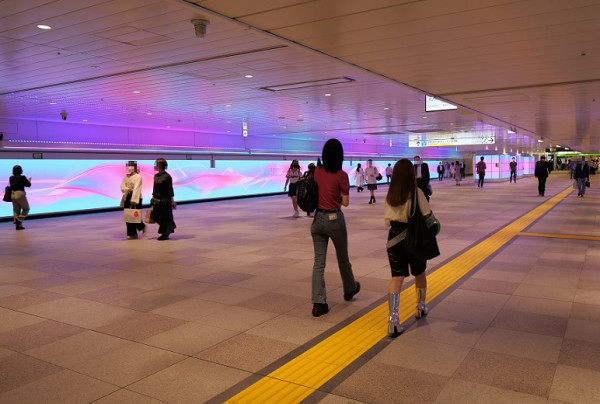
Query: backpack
[307, 194]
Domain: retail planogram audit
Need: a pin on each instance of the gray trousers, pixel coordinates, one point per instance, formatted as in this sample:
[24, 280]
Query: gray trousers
[323, 228]
[20, 205]
[581, 185]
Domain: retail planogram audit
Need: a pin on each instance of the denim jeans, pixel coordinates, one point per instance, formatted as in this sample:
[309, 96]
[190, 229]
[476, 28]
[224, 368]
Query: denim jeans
[322, 229]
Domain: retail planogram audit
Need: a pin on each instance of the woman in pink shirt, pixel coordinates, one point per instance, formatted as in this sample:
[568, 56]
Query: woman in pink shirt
[329, 223]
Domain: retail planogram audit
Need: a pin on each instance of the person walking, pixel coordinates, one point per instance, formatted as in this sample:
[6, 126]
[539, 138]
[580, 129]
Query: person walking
[541, 173]
[462, 170]
[582, 176]
[513, 170]
[359, 177]
[162, 200]
[481, 172]
[452, 170]
[397, 206]
[388, 172]
[447, 170]
[329, 223]
[371, 174]
[422, 174]
[17, 183]
[131, 188]
[440, 171]
[309, 175]
[458, 175]
[292, 177]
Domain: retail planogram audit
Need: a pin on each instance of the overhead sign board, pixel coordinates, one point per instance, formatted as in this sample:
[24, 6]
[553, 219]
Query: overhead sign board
[450, 139]
[433, 104]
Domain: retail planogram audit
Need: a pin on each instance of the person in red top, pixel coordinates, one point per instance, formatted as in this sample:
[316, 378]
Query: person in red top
[334, 190]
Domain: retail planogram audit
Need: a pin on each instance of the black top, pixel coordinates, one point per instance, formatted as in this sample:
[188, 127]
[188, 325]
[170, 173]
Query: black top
[582, 171]
[163, 186]
[18, 182]
[541, 169]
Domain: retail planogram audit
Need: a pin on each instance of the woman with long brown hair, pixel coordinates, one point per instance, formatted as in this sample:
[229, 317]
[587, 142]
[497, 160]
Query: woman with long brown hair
[397, 209]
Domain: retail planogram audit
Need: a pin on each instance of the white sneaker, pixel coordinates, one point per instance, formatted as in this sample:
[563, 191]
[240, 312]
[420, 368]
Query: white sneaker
[296, 213]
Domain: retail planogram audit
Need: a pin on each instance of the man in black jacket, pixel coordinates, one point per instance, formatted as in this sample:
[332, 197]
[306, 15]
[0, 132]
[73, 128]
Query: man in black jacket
[582, 176]
[541, 173]
[422, 174]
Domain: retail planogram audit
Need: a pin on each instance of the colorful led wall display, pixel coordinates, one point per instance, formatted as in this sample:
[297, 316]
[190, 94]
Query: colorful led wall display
[498, 166]
[75, 185]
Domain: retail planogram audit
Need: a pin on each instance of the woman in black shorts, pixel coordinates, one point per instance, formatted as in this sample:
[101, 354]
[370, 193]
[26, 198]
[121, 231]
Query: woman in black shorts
[398, 203]
[293, 175]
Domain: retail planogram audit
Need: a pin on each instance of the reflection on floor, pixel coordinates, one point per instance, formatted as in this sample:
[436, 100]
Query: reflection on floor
[88, 316]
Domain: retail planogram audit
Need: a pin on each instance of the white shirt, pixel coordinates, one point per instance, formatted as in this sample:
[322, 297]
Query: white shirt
[371, 173]
[132, 181]
[418, 172]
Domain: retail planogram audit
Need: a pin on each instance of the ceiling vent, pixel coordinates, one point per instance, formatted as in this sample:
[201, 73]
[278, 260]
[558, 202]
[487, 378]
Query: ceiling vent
[309, 84]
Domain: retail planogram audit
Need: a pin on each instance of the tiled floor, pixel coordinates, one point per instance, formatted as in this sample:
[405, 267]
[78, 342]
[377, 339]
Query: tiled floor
[88, 316]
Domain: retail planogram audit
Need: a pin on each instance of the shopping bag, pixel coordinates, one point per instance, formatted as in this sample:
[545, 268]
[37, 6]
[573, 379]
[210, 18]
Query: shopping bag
[148, 219]
[7, 195]
[132, 216]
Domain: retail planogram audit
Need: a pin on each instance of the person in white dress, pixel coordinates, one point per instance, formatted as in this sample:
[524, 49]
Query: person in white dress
[360, 178]
[371, 174]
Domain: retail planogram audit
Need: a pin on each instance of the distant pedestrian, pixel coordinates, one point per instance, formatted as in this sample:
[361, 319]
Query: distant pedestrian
[163, 201]
[541, 173]
[572, 165]
[452, 170]
[131, 188]
[388, 172]
[458, 175]
[513, 170]
[17, 183]
[292, 177]
[359, 177]
[371, 174]
[462, 169]
[309, 175]
[582, 175]
[447, 167]
[440, 171]
[481, 172]
[422, 175]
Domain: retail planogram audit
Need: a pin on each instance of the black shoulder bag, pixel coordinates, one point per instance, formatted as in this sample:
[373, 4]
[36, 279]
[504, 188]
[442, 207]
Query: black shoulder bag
[420, 240]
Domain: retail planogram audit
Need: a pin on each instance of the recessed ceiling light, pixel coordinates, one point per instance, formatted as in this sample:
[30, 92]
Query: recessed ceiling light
[42, 26]
[148, 113]
[228, 131]
[424, 117]
[136, 91]
[327, 95]
[248, 76]
[228, 105]
[85, 120]
[386, 108]
[52, 103]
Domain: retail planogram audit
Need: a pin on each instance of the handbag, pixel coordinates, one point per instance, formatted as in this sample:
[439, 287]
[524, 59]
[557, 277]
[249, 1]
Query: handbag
[587, 184]
[420, 240]
[132, 216]
[149, 218]
[7, 194]
[379, 177]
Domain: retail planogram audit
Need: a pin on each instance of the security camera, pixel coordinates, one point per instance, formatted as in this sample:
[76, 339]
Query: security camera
[200, 25]
[63, 115]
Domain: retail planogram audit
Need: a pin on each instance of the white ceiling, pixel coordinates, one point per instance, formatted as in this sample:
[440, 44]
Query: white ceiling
[532, 65]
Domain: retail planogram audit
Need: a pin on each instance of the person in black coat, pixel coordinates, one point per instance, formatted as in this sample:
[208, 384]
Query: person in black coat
[541, 173]
[582, 176]
[422, 174]
[162, 200]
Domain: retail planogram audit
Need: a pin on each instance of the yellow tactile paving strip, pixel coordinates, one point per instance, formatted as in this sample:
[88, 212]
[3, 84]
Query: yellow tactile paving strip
[301, 376]
[567, 236]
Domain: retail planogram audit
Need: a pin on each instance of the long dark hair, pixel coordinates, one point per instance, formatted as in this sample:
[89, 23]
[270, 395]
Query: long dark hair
[333, 156]
[403, 183]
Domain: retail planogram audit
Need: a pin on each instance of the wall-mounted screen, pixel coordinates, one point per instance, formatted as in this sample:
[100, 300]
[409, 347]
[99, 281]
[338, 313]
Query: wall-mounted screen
[433, 104]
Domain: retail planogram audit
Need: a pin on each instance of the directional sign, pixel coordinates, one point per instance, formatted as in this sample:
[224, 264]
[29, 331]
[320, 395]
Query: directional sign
[450, 139]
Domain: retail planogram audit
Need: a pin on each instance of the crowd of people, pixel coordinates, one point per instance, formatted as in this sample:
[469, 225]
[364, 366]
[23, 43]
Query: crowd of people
[409, 182]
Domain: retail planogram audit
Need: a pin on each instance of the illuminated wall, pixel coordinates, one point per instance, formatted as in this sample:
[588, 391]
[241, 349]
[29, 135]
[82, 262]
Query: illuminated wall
[74, 185]
[498, 166]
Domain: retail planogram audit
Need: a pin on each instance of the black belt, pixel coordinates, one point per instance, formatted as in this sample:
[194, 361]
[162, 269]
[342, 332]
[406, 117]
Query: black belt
[329, 211]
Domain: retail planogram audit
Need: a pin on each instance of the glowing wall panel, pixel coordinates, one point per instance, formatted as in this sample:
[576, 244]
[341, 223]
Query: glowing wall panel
[74, 185]
[498, 166]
